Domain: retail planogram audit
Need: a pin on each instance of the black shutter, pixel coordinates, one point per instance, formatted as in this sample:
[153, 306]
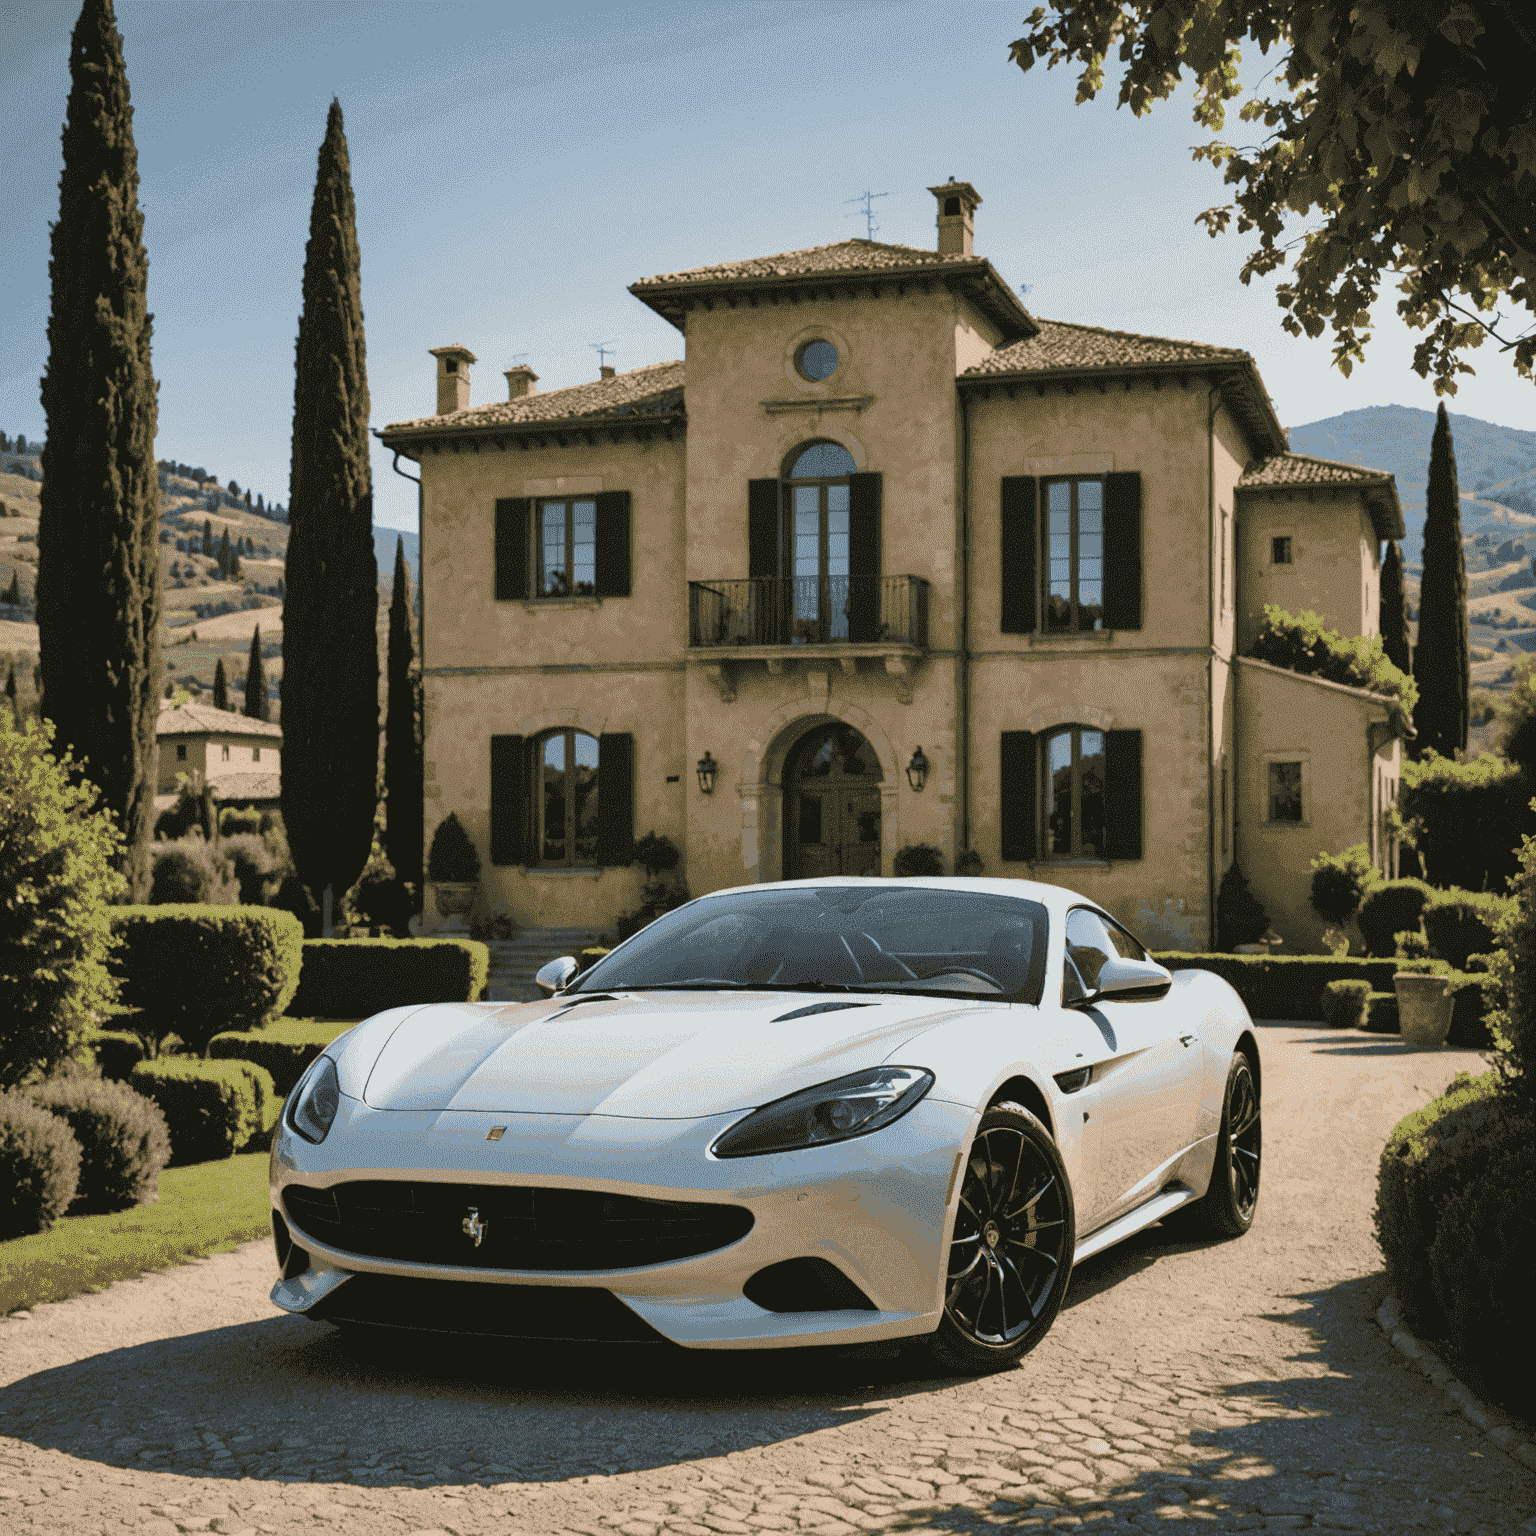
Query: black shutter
[1122, 794]
[509, 798]
[1019, 808]
[863, 557]
[612, 560]
[762, 529]
[512, 513]
[616, 798]
[1122, 551]
[1020, 574]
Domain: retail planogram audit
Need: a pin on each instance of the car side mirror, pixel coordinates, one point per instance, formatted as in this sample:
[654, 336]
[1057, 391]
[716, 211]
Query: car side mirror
[1130, 980]
[557, 975]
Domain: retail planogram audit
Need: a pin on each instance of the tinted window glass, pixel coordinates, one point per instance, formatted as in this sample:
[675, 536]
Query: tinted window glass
[865, 936]
[1089, 943]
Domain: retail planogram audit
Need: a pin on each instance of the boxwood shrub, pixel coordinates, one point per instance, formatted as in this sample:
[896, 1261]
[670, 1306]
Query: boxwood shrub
[1462, 923]
[1381, 1016]
[269, 1105]
[196, 971]
[117, 1052]
[39, 1166]
[209, 1106]
[352, 978]
[1344, 1003]
[284, 1060]
[1283, 986]
[1389, 908]
[122, 1136]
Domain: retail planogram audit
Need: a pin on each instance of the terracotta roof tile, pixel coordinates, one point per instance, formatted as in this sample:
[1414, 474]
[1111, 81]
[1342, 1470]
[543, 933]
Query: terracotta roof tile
[843, 256]
[1061, 345]
[1286, 469]
[205, 720]
[654, 390]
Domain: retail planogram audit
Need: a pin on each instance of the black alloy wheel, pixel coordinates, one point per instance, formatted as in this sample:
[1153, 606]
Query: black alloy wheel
[1231, 1200]
[1010, 1256]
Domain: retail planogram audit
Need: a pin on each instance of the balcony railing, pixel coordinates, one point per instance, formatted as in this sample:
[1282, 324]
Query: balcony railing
[808, 610]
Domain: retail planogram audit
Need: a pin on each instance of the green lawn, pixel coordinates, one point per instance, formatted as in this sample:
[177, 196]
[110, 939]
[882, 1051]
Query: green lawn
[207, 1208]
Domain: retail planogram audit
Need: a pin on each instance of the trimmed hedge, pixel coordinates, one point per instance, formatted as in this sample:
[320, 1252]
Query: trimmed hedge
[353, 978]
[1283, 986]
[117, 1052]
[196, 971]
[1381, 1016]
[283, 1060]
[209, 1106]
[269, 1105]
[1344, 1003]
[1389, 908]
[123, 1140]
[1462, 923]
[39, 1166]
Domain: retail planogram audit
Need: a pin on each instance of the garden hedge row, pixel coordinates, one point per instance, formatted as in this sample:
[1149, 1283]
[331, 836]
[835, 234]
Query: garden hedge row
[1284, 986]
[285, 1060]
[352, 978]
[196, 971]
[211, 1107]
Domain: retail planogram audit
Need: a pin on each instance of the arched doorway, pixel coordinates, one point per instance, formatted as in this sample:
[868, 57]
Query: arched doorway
[831, 805]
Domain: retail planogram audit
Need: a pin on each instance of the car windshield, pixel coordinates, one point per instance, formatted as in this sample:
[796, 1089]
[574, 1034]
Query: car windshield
[841, 938]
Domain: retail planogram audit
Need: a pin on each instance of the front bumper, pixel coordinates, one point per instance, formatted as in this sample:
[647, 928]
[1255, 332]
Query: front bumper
[879, 1209]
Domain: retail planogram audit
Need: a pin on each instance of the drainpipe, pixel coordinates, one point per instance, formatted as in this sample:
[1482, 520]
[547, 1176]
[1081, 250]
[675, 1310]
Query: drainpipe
[963, 592]
[1213, 404]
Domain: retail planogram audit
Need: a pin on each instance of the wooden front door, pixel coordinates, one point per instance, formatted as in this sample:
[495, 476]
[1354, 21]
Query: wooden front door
[831, 805]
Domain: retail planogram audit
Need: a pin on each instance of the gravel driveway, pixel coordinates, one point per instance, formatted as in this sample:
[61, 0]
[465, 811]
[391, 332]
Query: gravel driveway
[1244, 1385]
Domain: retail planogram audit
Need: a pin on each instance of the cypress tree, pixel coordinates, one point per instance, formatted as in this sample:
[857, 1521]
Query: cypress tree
[330, 641]
[224, 555]
[208, 537]
[13, 592]
[98, 576]
[402, 736]
[257, 705]
[1393, 609]
[1441, 663]
[10, 693]
[220, 685]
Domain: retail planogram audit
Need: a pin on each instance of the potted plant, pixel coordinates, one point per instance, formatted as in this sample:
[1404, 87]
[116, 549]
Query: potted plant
[453, 867]
[1424, 1006]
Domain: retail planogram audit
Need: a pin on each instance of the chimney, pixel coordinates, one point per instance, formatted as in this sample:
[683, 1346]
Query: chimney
[520, 381]
[452, 378]
[605, 371]
[958, 202]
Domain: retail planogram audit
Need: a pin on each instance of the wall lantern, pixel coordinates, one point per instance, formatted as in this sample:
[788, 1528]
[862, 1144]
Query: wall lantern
[917, 770]
[707, 768]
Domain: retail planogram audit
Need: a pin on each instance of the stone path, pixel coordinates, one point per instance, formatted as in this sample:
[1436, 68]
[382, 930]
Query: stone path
[1241, 1386]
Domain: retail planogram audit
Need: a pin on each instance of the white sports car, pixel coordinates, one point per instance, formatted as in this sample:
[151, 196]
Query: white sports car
[820, 1112]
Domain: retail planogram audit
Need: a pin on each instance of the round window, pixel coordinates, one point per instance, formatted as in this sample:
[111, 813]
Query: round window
[817, 360]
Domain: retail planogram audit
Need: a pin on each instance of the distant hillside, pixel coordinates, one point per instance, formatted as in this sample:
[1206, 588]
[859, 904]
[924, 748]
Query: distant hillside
[384, 553]
[1496, 463]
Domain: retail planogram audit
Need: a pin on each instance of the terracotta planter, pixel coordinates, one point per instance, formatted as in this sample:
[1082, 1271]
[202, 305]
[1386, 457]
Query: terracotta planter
[1424, 1008]
[454, 898]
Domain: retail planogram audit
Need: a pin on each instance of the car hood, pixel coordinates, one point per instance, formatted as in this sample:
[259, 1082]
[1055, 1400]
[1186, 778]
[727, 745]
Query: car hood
[662, 1056]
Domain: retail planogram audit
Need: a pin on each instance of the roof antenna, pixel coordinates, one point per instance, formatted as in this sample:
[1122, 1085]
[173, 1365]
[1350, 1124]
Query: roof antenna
[867, 198]
[603, 348]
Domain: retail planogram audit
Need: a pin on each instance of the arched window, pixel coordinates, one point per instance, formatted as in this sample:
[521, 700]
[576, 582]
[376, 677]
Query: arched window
[816, 531]
[565, 798]
[1074, 793]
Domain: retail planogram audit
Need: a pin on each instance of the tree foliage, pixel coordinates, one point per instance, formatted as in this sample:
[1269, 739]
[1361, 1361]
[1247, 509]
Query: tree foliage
[1404, 135]
[330, 648]
[1442, 659]
[1393, 610]
[257, 705]
[403, 772]
[98, 560]
[220, 685]
[58, 847]
[1301, 642]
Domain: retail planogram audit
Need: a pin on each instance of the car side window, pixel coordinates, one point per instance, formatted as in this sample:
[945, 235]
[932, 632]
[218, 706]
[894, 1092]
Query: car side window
[1089, 944]
[1125, 946]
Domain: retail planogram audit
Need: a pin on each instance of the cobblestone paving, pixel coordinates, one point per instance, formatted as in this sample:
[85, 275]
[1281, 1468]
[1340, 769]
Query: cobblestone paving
[1238, 1386]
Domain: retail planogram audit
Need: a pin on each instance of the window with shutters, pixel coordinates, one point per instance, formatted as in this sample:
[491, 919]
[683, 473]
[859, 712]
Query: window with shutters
[549, 548]
[566, 543]
[565, 804]
[1074, 554]
[1073, 781]
[1073, 792]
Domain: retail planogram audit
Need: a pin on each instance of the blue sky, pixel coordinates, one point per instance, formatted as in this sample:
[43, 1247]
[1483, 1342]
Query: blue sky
[516, 166]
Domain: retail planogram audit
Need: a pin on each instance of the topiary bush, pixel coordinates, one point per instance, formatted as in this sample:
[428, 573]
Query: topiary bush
[1282, 986]
[1381, 1016]
[269, 1105]
[58, 852]
[452, 857]
[1388, 908]
[234, 822]
[284, 1060]
[656, 854]
[1432, 1154]
[1459, 924]
[352, 978]
[1240, 915]
[117, 1052]
[1344, 1003]
[1465, 819]
[209, 1106]
[255, 867]
[1340, 880]
[917, 860]
[123, 1140]
[192, 871]
[39, 1167]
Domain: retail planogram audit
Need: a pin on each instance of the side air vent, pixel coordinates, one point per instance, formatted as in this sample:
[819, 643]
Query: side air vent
[806, 1285]
[805, 1013]
[1070, 1082]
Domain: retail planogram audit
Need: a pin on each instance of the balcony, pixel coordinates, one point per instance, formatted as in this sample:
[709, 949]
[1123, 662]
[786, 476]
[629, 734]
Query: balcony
[816, 621]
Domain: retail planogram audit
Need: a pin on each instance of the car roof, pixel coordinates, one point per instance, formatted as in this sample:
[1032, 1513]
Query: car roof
[1054, 896]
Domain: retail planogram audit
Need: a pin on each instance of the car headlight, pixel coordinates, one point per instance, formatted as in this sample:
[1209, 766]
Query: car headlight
[315, 1101]
[835, 1111]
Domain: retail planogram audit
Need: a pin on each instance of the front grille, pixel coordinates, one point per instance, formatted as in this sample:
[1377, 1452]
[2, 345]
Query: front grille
[563, 1312]
[520, 1228]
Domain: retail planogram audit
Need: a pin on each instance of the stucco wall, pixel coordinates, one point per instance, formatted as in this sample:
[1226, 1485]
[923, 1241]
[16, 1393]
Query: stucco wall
[205, 754]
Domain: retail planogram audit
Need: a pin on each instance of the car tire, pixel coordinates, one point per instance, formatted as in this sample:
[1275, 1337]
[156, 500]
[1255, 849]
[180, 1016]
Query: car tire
[1231, 1200]
[1009, 1257]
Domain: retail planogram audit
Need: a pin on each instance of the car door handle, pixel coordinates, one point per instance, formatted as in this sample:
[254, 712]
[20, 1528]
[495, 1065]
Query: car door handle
[1187, 1040]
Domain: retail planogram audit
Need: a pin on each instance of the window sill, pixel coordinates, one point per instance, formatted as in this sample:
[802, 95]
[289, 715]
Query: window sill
[581, 601]
[563, 871]
[1072, 637]
[1070, 864]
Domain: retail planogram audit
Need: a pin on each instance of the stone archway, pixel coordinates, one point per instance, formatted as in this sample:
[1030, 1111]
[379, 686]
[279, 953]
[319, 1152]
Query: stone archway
[762, 783]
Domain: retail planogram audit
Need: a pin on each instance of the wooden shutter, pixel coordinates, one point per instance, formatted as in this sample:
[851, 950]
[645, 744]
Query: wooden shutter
[612, 560]
[615, 798]
[762, 529]
[512, 514]
[864, 557]
[509, 798]
[1122, 794]
[1020, 807]
[1122, 551]
[1020, 573]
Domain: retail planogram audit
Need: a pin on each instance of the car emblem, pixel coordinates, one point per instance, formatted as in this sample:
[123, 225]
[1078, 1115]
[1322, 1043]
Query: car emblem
[495, 1133]
[990, 1232]
[473, 1226]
